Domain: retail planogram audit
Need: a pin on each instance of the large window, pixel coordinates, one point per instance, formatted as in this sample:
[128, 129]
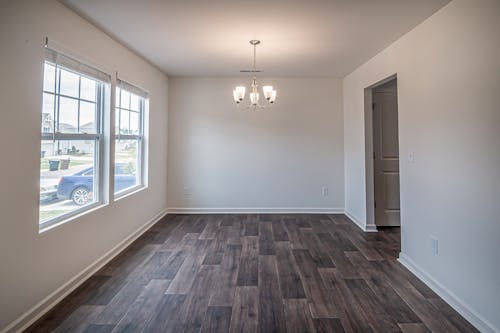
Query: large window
[129, 118]
[72, 140]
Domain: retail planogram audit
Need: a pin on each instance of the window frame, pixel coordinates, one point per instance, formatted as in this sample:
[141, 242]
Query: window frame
[97, 137]
[140, 138]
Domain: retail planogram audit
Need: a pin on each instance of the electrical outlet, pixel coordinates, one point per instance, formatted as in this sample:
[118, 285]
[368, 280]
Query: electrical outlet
[324, 191]
[411, 157]
[434, 245]
[187, 191]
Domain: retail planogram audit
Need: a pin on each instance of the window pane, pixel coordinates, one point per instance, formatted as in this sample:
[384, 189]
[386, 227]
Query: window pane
[88, 89]
[124, 122]
[87, 117]
[134, 123]
[117, 121]
[48, 113]
[49, 77]
[134, 102]
[126, 162]
[68, 115]
[69, 83]
[117, 97]
[125, 99]
[66, 176]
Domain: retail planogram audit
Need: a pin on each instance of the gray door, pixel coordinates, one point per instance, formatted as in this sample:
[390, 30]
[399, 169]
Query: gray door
[386, 155]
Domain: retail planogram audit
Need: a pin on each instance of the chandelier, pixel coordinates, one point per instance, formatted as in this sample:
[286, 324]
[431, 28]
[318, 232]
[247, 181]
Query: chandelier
[268, 91]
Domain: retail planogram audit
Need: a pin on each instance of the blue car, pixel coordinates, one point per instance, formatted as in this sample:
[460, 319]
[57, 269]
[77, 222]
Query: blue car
[78, 187]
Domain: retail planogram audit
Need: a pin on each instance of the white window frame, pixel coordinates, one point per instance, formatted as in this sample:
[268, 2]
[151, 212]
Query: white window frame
[59, 60]
[140, 170]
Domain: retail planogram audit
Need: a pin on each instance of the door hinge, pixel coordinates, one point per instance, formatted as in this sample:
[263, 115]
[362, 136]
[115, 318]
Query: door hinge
[375, 204]
[373, 106]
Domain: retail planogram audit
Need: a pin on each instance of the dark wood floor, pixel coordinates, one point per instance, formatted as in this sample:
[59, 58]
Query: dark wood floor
[255, 273]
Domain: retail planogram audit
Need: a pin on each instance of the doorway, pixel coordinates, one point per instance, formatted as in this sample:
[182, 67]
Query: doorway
[382, 154]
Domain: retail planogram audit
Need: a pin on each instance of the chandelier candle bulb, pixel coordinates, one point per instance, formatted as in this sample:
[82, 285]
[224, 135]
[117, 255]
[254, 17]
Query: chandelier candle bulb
[273, 96]
[267, 90]
[236, 97]
[254, 98]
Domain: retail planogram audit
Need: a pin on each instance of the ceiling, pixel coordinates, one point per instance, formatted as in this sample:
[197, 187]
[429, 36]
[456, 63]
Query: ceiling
[299, 37]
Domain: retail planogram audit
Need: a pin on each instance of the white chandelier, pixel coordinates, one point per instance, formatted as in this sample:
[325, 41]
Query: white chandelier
[268, 91]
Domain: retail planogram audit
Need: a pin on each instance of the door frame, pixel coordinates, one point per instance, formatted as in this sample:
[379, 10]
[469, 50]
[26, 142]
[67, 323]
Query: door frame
[369, 167]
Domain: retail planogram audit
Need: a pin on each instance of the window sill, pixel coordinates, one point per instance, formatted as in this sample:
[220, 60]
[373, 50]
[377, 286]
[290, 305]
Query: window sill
[56, 222]
[129, 192]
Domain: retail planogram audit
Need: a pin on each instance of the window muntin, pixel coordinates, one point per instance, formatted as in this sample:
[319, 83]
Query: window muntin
[71, 145]
[129, 141]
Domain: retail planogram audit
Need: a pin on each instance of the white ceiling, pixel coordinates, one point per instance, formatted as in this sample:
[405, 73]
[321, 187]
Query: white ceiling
[299, 37]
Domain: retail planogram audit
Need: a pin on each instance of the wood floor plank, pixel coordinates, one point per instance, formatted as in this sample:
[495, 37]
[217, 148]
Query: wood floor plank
[320, 303]
[456, 319]
[375, 312]
[271, 314]
[351, 314]
[244, 317]
[193, 311]
[251, 226]
[63, 310]
[427, 313]
[289, 278]
[94, 328]
[294, 235]
[184, 278]
[166, 317]
[217, 320]
[80, 319]
[328, 325]
[266, 239]
[393, 303]
[317, 249]
[142, 309]
[227, 277]
[342, 263]
[414, 328]
[279, 231]
[297, 316]
[211, 228]
[167, 268]
[248, 272]
[119, 305]
[337, 240]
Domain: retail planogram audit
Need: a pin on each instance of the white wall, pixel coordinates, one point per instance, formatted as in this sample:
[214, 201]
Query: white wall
[268, 160]
[448, 71]
[33, 265]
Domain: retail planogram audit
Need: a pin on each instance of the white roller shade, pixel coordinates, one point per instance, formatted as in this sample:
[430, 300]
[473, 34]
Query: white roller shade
[131, 88]
[52, 54]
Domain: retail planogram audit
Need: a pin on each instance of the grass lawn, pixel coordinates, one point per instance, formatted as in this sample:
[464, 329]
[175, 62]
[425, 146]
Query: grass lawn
[44, 162]
[45, 215]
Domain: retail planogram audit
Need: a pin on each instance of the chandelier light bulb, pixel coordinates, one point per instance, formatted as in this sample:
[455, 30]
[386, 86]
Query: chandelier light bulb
[254, 98]
[239, 94]
[267, 90]
[273, 97]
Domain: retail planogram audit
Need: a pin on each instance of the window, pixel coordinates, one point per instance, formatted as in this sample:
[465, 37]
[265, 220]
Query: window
[129, 143]
[72, 141]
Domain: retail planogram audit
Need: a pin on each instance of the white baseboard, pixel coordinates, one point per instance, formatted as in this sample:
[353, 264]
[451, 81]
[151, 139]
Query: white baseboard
[42, 307]
[360, 224]
[449, 297]
[273, 210]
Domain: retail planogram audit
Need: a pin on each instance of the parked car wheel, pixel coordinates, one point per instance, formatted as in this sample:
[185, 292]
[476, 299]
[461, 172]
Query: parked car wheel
[80, 195]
